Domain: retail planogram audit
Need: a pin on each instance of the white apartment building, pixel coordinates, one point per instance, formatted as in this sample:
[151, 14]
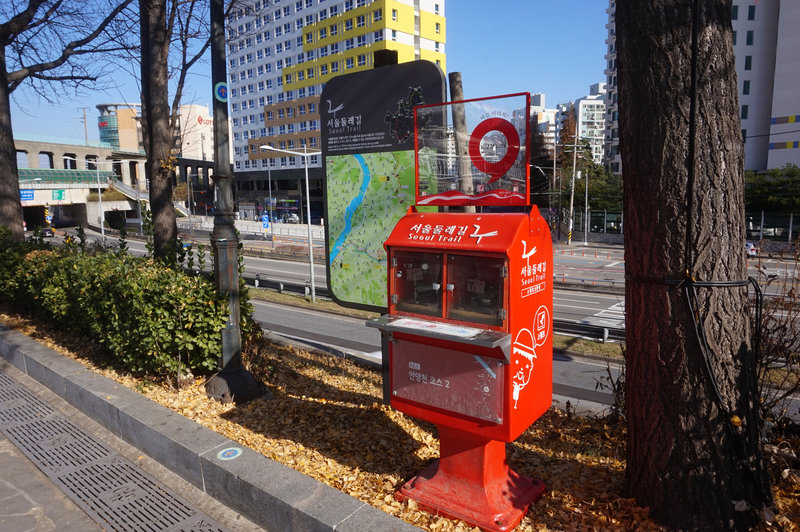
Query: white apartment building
[590, 116]
[589, 113]
[611, 155]
[766, 46]
[546, 120]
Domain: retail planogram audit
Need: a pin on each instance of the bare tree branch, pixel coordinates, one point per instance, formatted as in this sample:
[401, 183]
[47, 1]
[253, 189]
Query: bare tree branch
[73, 48]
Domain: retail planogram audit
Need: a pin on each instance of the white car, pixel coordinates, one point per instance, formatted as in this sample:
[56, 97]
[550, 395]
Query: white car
[752, 250]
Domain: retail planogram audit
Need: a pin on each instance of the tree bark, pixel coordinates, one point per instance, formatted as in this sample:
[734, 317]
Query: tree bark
[159, 139]
[687, 458]
[10, 206]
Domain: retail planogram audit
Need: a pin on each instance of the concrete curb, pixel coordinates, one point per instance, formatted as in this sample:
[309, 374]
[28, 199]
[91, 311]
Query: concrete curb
[267, 492]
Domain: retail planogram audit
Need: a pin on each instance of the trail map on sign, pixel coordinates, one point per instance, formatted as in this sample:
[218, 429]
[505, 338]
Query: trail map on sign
[368, 183]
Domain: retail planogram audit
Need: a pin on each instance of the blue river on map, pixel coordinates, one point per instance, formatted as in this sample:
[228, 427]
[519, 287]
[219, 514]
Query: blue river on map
[351, 209]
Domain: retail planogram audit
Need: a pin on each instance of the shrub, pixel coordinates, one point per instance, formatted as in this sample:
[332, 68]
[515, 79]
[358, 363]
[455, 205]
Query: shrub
[152, 318]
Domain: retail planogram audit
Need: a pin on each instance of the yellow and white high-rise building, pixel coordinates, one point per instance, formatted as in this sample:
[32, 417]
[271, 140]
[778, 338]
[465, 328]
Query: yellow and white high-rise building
[280, 55]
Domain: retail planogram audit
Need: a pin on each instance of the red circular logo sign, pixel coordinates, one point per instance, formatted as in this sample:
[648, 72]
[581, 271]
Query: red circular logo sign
[495, 169]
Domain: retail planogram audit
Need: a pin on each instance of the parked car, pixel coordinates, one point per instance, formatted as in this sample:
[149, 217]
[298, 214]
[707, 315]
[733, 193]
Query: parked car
[47, 232]
[291, 218]
[752, 250]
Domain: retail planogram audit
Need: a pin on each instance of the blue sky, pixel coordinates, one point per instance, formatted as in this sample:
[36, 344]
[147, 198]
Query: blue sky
[500, 47]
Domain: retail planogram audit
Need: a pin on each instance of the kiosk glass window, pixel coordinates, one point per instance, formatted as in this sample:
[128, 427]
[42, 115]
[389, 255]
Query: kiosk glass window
[476, 288]
[418, 282]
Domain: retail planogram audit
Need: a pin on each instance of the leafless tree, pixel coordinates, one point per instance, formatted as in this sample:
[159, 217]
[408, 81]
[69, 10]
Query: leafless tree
[174, 36]
[50, 45]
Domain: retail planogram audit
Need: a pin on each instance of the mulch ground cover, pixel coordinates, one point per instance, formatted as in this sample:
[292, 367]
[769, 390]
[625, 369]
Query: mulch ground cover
[327, 420]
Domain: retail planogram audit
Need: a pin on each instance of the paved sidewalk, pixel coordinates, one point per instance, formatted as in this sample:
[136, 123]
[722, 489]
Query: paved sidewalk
[224, 476]
[63, 471]
[29, 501]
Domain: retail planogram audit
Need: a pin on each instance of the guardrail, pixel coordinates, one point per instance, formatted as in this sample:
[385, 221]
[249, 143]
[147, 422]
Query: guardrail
[585, 330]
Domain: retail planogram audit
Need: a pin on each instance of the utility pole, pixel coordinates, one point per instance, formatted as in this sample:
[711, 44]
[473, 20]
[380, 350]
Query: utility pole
[85, 127]
[572, 191]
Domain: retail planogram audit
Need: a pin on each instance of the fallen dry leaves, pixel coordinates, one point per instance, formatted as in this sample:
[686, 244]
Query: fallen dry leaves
[327, 420]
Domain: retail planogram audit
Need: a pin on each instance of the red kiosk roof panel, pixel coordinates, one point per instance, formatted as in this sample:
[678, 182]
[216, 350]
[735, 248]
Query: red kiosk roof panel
[493, 233]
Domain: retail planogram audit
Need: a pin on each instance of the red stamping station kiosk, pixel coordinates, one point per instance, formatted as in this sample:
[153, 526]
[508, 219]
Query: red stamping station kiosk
[469, 329]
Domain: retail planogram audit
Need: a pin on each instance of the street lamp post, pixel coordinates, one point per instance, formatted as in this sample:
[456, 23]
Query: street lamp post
[305, 154]
[100, 203]
[269, 186]
[99, 190]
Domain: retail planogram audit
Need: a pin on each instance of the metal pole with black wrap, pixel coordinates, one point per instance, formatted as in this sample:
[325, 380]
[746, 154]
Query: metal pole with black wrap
[232, 382]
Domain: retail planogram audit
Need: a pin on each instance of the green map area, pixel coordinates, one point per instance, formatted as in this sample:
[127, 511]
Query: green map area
[367, 195]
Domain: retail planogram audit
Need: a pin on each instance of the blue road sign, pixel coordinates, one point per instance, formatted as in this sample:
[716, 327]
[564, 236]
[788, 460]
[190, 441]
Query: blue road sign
[221, 91]
[265, 218]
[26, 194]
[265, 225]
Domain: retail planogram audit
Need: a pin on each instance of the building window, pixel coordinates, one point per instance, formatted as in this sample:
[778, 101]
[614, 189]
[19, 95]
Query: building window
[362, 40]
[348, 5]
[334, 67]
[361, 21]
[309, 37]
[436, 9]
[323, 33]
[438, 28]
[734, 12]
[744, 112]
[348, 24]
[746, 87]
[349, 44]
[748, 62]
[323, 70]
[749, 38]
[377, 36]
[394, 15]
[334, 29]
[362, 60]
[377, 15]
[751, 12]
[349, 63]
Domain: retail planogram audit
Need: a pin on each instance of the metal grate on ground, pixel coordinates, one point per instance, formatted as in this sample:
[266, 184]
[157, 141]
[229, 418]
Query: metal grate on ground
[109, 488]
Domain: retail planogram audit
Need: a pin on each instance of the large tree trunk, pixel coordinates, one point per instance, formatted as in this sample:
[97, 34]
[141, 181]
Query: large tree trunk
[158, 137]
[10, 206]
[687, 458]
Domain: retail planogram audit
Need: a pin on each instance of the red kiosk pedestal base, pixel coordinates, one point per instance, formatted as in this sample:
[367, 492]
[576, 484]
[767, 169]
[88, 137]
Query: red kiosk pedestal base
[472, 482]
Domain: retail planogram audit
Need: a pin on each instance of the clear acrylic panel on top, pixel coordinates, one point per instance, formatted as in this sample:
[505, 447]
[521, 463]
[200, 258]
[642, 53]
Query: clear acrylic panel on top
[473, 152]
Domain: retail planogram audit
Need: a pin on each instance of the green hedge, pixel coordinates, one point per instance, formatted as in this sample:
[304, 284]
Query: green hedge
[152, 318]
